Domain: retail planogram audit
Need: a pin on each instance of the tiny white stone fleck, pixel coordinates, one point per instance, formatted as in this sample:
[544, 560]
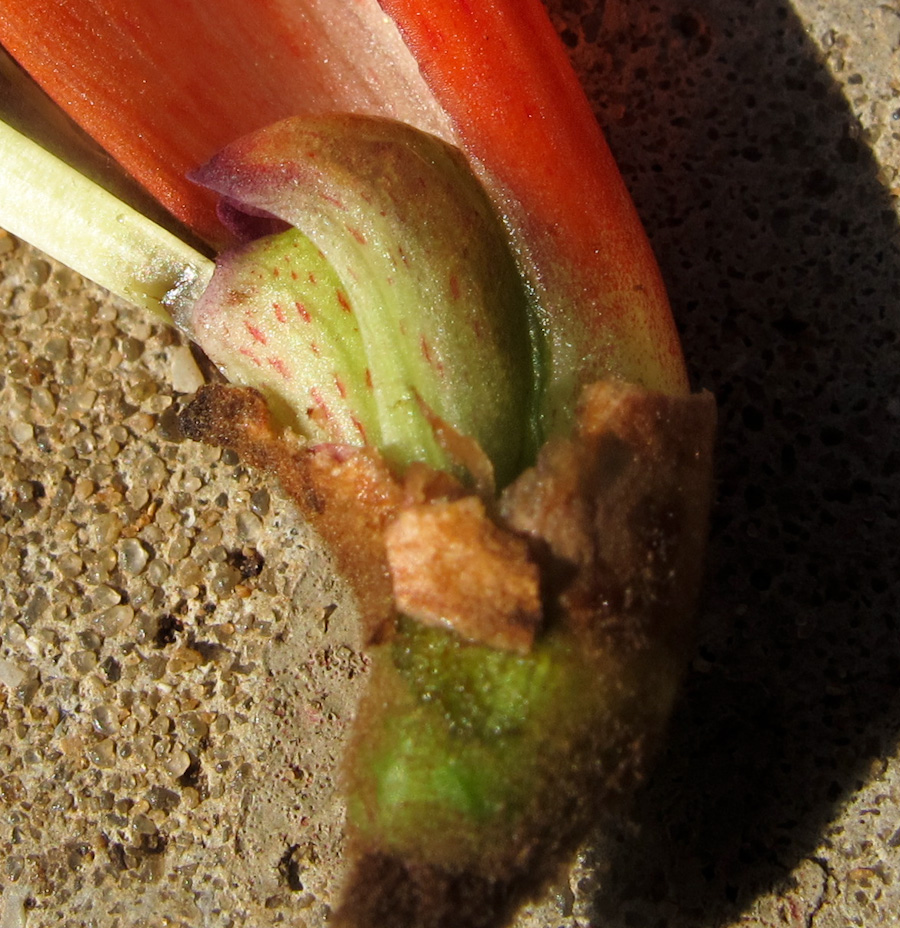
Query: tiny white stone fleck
[10, 674]
[186, 375]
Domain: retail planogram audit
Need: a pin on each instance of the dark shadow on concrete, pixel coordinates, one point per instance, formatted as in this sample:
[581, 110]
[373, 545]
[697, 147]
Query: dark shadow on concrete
[780, 248]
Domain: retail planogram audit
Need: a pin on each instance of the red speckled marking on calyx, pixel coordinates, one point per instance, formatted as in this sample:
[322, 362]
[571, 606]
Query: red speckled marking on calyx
[257, 334]
[279, 365]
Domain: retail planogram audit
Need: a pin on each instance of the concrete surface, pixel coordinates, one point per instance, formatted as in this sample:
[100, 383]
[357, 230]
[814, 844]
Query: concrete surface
[178, 665]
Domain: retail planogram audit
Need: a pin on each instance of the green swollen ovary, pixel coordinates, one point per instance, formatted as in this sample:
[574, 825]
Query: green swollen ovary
[424, 308]
[469, 750]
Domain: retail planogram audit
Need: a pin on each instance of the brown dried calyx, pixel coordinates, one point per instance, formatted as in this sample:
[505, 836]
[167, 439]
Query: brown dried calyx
[609, 525]
[620, 512]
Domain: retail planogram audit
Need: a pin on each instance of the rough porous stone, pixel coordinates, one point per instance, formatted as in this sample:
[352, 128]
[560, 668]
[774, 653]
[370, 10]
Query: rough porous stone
[179, 665]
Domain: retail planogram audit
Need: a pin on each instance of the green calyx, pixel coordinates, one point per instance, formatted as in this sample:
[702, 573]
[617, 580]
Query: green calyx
[392, 300]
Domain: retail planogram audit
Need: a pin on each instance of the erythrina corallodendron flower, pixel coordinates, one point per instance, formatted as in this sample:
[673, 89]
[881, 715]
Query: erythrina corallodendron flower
[447, 336]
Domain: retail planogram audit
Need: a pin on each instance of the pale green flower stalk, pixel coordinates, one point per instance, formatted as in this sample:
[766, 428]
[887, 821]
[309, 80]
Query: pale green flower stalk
[66, 215]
